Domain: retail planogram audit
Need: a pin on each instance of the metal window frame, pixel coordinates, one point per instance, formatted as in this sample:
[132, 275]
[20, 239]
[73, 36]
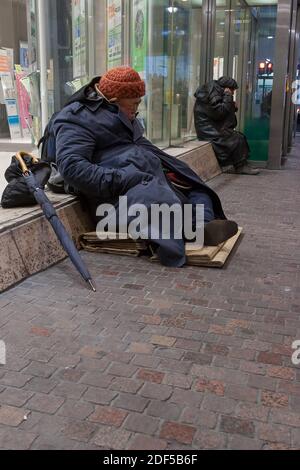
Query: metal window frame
[292, 67]
[90, 6]
[208, 40]
[278, 106]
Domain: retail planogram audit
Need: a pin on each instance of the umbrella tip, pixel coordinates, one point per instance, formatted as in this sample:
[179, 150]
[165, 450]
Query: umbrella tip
[92, 285]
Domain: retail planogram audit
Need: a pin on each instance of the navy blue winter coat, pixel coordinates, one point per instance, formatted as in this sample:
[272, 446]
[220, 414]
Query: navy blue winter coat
[101, 153]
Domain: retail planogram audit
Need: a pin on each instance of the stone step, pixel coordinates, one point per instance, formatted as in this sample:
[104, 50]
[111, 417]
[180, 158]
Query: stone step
[201, 158]
[28, 243]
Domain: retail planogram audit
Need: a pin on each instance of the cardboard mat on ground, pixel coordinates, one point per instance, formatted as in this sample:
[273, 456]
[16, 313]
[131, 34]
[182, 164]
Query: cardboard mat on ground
[112, 243]
[211, 256]
[123, 244]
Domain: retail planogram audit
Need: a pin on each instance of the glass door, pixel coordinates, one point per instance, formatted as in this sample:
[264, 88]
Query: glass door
[185, 67]
[221, 38]
[158, 76]
[171, 66]
[244, 42]
[238, 53]
[180, 69]
[195, 66]
[259, 83]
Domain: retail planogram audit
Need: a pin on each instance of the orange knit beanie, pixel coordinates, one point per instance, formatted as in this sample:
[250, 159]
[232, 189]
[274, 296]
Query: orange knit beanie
[122, 82]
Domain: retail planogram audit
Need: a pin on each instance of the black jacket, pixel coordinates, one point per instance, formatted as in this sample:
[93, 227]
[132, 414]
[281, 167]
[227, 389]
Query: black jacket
[215, 121]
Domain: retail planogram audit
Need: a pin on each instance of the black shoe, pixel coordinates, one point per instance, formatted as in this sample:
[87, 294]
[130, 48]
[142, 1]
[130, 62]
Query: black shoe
[247, 170]
[218, 231]
[229, 169]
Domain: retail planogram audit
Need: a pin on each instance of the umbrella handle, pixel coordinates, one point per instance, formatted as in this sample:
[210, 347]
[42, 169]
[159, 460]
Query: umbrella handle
[19, 157]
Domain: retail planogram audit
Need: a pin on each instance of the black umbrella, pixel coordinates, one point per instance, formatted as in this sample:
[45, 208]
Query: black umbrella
[51, 215]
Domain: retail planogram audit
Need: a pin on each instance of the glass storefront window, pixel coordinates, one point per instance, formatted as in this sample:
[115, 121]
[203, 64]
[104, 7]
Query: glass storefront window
[173, 69]
[195, 64]
[260, 82]
[238, 52]
[130, 26]
[186, 67]
[245, 36]
[67, 57]
[166, 53]
[221, 42]
[114, 33]
[15, 119]
[161, 39]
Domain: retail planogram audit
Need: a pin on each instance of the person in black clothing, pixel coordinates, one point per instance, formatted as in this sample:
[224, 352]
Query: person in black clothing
[215, 121]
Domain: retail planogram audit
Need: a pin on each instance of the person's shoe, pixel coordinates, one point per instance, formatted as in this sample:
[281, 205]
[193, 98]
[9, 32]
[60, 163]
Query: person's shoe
[226, 168]
[218, 231]
[246, 169]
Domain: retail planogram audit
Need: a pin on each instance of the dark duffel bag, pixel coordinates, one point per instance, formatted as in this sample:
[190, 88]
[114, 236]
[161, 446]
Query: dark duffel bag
[16, 193]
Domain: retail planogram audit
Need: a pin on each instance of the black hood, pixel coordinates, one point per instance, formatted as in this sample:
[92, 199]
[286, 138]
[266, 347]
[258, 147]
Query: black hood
[227, 82]
[84, 93]
[88, 96]
[205, 92]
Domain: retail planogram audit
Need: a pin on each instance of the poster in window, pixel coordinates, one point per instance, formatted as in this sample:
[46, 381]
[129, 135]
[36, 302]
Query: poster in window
[114, 33]
[24, 56]
[32, 36]
[8, 92]
[79, 38]
[139, 35]
[23, 101]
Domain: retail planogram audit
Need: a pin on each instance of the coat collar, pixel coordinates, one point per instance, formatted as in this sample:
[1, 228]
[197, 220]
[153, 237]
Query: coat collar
[88, 96]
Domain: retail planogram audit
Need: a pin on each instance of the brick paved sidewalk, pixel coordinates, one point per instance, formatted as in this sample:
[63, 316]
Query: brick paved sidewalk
[163, 358]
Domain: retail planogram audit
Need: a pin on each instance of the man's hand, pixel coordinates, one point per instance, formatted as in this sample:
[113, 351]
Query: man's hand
[129, 177]
[229, 91]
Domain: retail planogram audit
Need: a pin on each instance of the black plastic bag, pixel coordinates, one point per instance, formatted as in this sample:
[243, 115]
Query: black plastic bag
[16, 193]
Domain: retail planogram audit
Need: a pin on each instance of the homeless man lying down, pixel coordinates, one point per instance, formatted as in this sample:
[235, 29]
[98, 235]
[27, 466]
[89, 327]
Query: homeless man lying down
[102, 153]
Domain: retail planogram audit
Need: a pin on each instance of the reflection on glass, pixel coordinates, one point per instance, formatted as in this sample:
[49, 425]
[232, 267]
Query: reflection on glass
[260, 83]
[172, 69]
[244, 36]
[186, 68]
[114, 33]
[220, 39]
[15, 120]
[194, 68]
[157, 72]
[239, 31]
[180, 70]
[64, 43]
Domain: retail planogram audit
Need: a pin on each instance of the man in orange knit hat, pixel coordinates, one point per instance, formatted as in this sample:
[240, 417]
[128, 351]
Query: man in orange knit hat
[102, 153]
